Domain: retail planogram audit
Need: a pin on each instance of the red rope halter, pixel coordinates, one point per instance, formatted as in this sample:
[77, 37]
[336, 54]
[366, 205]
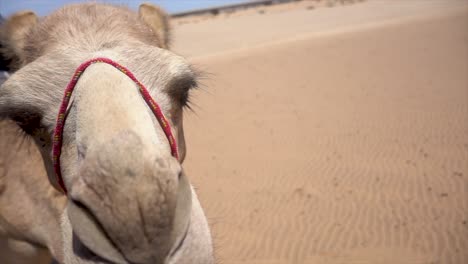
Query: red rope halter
[58, 132]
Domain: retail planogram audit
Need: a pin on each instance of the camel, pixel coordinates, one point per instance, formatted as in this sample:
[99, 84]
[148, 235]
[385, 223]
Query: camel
[122, 195]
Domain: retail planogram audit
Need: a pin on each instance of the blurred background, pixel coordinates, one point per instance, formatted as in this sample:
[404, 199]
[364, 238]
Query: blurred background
[326, 131]
[43, 7]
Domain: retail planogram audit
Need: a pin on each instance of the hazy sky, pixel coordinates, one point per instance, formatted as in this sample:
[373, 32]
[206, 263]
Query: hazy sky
[43, 7]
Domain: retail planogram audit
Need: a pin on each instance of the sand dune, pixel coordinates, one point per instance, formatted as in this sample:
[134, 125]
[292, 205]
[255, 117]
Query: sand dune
[347, 145]
[222, 34]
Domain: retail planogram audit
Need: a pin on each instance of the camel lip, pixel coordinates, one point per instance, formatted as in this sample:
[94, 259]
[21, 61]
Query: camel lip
[89, 250]
[91, 255]
[88, 254]
[179, 245]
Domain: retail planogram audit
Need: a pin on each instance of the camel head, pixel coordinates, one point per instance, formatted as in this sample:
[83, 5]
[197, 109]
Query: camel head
[128, 198]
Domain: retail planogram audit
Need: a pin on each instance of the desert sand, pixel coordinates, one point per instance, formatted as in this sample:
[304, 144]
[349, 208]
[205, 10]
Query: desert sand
[332, 135]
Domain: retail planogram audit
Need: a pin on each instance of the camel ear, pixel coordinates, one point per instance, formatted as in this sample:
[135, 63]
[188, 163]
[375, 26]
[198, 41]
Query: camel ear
[13, 34]
[157, 20]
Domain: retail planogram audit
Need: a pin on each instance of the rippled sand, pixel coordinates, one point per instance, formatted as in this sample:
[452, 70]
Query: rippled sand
[333, 135]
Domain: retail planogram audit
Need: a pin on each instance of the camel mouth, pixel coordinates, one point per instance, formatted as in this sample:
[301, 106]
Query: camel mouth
[99, 248]
[91, 241]
[98, 244]
[85, 253]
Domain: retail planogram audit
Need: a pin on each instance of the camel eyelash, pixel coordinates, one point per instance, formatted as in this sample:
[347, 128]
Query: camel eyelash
[187, 103]
[180, 90]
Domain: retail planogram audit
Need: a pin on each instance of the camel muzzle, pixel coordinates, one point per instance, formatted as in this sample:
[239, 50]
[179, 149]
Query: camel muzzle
[127, 207]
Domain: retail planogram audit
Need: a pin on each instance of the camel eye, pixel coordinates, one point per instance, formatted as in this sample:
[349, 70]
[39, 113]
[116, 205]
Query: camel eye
[179, 90]
[27, 121]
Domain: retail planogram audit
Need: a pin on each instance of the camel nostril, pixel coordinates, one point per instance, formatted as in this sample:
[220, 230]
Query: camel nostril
[81, 205]
[86, 210]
